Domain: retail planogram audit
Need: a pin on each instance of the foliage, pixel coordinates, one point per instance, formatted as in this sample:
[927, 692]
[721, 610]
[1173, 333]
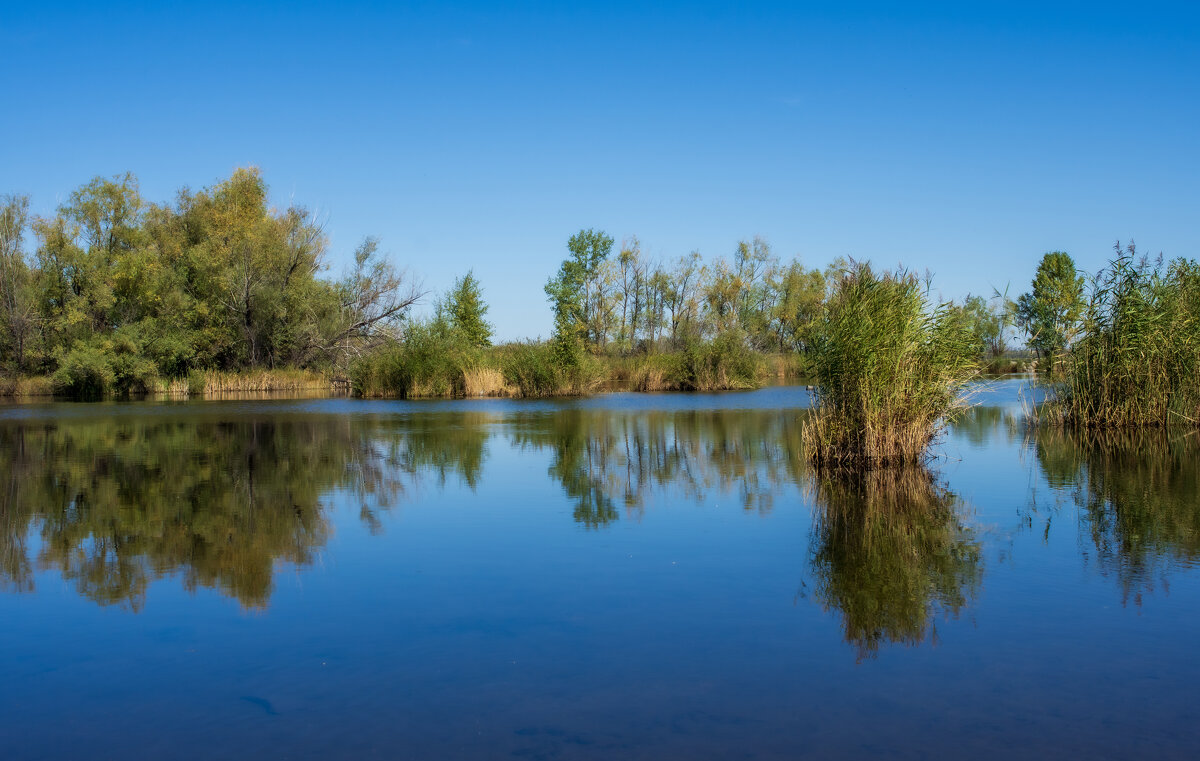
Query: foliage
[723, 363]
[890, 369]
[113, 364]
[466, 309]
[431, 360]
[17, 307]
[532, 368]
[1050, 312]
[987, 323]
[570, 293]
[121, 290]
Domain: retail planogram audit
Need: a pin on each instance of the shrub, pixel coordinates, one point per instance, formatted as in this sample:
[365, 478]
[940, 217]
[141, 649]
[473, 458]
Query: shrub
[113, 365]
[83, 373]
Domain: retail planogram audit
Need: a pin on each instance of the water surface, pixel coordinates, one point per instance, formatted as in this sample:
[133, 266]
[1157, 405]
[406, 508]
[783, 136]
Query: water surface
[630, 575]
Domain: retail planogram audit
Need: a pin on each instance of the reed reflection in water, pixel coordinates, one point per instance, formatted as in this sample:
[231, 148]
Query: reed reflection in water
[1137, 496]
[891, 555]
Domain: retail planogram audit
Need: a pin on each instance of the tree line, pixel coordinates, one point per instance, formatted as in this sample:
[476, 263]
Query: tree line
[112, 291]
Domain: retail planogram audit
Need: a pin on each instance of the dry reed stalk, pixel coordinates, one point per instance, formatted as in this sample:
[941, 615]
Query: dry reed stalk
[487, 381]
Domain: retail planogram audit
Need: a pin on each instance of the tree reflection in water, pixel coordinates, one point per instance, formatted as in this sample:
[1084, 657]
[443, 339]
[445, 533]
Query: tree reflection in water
[890, 554]
[119, 504]
[606, 461]
[1137, 494]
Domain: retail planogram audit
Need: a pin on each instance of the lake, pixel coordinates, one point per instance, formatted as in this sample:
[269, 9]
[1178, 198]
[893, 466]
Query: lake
[636, 576]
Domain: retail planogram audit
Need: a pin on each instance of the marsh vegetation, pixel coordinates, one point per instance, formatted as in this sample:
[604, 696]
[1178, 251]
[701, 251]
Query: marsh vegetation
[891, 370]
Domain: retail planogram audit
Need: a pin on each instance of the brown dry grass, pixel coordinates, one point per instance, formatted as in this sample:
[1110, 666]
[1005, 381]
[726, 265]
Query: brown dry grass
[38, 385]
[487, 381]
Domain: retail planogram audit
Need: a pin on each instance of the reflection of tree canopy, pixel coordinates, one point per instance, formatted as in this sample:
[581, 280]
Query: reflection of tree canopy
[606, 459]
[120, 503]
[1139, 494]
[977, 424]
[890, 554]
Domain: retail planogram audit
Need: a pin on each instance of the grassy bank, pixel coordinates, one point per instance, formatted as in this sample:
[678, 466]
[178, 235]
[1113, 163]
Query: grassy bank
[431, 365]
[198, 383]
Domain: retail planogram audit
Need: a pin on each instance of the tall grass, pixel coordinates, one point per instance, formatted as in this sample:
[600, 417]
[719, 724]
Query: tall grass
[891, 369]
[214, 382]
[722, 364]
[533, 370]
[486, 381]
[435, 362]
[19, 386]
[1138, 362]
[431, 361]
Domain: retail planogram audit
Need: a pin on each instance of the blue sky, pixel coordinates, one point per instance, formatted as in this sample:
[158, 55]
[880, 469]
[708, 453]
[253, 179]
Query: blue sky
[966, 138]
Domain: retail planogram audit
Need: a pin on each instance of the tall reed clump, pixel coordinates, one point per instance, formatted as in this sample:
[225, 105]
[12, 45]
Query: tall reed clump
[216, 382]
[724, 363]
[891, 369]
[533, 369]
[18, 386]
[431, 361]
[1138, 362]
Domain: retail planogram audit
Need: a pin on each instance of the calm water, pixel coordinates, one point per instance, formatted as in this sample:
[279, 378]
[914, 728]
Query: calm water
[628, 576]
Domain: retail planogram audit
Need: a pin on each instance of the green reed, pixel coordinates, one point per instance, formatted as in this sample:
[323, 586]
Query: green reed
[891, 369]
[1138, 362]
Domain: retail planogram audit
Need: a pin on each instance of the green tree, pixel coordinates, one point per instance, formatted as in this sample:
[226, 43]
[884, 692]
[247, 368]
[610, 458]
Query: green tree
[799, 296]
[682, 299]
[986, 323]
[753, 262]
[466, 309]
[1050, 313]
[569, 292]
[17, 309]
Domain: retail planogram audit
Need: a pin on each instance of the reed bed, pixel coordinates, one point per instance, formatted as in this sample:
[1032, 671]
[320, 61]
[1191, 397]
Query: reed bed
[891, 371]
[1138, 362]
[486, 381]
[436, 365]
[20, 386]
[212, 382]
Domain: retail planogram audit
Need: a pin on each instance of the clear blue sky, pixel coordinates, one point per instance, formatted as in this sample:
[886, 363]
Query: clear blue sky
[966, 137]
